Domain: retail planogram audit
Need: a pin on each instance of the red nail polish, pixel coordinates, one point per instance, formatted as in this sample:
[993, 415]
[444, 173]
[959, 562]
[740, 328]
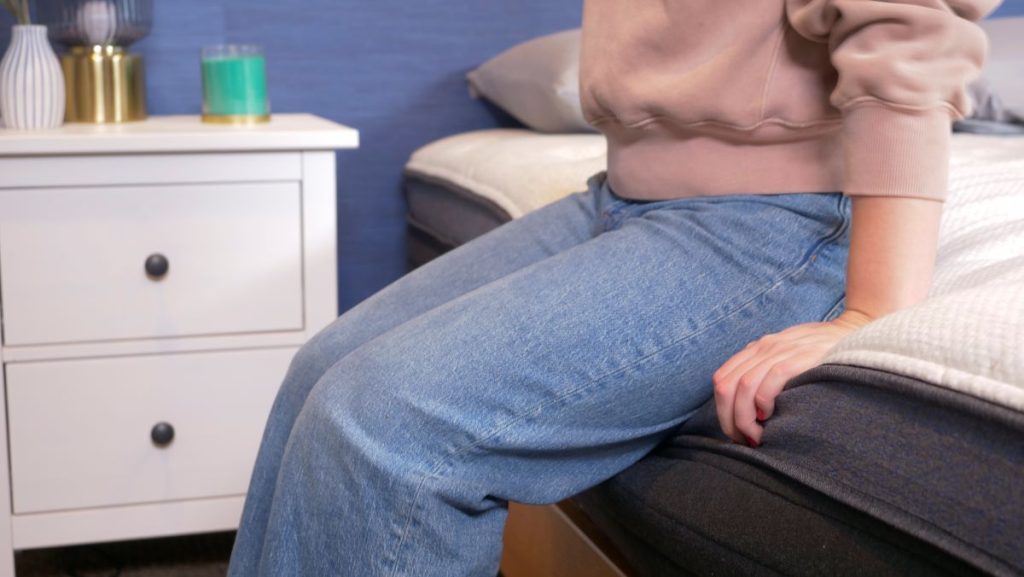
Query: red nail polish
[760, 415]
[753, 444]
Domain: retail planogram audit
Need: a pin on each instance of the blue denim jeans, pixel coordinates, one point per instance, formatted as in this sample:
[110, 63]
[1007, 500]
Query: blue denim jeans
[527, 365]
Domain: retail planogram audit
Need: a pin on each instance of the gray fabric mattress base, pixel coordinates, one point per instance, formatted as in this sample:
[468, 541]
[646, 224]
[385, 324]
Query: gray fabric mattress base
[442, 216]
[700, 513]
[862, 472]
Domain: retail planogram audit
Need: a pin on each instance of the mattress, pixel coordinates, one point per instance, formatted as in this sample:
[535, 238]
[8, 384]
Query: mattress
[906, 445]
[901, 456]
[862, 472]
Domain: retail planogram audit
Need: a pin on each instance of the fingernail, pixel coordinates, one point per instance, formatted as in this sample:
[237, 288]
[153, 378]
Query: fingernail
[760, 415]
[753, 444]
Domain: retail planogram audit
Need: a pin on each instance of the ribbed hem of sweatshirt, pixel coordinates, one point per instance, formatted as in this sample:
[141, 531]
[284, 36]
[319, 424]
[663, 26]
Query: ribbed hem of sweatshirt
[660, 161]
[894, 152]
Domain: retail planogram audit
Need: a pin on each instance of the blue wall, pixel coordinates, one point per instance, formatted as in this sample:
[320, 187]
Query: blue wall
[394, 69]
[1010, 8]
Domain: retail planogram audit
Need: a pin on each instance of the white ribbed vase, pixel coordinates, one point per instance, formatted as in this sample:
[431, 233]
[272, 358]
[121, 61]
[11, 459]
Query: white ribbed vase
[31, 81]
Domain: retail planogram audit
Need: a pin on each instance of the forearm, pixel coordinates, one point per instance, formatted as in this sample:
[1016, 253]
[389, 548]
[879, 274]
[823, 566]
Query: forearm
[892, 253]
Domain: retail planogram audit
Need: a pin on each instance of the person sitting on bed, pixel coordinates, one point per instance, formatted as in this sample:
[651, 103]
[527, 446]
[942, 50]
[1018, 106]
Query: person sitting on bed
[776, 172]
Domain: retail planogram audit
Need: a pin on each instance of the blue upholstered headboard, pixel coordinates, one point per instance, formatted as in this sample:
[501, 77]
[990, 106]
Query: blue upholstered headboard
[394, 69]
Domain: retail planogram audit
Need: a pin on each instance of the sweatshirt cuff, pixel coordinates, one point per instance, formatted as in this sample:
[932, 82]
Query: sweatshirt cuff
[893, 152]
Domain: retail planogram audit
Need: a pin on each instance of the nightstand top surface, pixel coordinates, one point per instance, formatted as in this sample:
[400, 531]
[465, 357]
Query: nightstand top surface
[181, 134]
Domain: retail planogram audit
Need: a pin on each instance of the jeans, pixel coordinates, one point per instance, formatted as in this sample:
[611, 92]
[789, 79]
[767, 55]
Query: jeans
[528, 365]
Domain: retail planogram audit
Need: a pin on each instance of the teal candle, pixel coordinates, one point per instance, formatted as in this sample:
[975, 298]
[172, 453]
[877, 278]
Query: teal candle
[234, 84]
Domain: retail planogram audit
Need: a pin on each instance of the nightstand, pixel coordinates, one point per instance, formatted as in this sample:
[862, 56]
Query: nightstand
[155, 280]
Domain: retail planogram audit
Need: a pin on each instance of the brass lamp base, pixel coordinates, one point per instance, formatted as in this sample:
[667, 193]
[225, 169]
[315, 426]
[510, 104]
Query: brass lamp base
[105, 84]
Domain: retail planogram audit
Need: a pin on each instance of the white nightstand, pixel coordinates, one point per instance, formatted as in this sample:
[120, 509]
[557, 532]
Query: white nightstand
[155, 280]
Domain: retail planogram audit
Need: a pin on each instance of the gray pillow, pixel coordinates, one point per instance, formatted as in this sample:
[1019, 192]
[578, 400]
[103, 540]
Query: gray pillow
[998, 97]
[1004, 68]
[990, 115]
[537, 82]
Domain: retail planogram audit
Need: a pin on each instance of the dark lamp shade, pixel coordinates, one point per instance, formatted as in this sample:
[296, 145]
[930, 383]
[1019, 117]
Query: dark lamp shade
[97, 22]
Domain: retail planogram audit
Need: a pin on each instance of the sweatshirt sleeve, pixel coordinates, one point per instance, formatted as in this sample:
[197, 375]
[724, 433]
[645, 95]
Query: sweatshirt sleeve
[903, 66]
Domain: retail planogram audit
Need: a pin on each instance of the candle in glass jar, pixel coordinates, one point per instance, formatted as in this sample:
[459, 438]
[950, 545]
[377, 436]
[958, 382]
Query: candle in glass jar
[234, 84]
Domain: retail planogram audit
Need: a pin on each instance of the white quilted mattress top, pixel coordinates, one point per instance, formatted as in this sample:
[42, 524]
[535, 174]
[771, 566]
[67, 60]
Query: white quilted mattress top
[969, 334]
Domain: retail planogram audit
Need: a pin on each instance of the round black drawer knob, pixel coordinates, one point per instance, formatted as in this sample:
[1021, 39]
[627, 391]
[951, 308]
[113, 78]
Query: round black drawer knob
[162, 434]
[157, 265]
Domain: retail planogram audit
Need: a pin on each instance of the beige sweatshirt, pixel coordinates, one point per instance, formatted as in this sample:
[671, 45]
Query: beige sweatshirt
[717, 97]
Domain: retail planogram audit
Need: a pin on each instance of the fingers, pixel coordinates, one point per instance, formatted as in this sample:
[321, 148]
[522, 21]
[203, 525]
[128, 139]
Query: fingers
[724, 381]
[736, 360]
[744, 380]
[734, 378]
[746, 385]
[724, 394]
[745, 417]
[755, 391]
[775, 380]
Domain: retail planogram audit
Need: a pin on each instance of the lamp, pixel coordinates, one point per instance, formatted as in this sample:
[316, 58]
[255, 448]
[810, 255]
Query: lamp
[105, 82]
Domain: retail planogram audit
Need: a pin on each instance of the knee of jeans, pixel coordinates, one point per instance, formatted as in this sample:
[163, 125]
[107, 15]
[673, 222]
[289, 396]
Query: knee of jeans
[308, 364]
[369, 407]
[317, 355]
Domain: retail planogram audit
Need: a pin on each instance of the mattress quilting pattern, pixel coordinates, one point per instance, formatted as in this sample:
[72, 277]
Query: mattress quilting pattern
[968, 335]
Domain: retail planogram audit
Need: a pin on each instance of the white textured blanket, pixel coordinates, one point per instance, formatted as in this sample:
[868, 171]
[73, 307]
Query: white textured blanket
[969, 334]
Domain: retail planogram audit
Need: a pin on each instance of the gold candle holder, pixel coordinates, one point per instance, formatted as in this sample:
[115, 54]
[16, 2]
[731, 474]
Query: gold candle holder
[105, 84]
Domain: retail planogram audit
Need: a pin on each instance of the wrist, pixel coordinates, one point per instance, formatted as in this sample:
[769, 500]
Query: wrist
[853, 319]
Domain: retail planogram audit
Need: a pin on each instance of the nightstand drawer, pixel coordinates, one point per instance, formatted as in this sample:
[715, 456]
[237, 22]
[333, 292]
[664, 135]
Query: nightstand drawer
[87, 433]
[100, 264]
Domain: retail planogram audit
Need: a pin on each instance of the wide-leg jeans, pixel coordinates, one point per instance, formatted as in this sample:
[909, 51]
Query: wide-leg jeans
[528, 365]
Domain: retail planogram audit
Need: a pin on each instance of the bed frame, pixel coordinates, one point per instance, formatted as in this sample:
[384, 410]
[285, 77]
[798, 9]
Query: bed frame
[557, 541]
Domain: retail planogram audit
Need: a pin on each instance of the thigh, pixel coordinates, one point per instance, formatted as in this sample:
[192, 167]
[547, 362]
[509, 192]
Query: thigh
[570, 369]
[511, 247]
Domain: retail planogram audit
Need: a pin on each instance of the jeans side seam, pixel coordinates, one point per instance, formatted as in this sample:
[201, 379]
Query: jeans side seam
[458, 454]
[835, 310]
[835, 233]
[844, 225]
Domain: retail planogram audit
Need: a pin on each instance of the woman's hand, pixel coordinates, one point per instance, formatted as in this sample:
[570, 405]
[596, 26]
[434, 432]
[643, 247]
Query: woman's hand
[747, 384]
